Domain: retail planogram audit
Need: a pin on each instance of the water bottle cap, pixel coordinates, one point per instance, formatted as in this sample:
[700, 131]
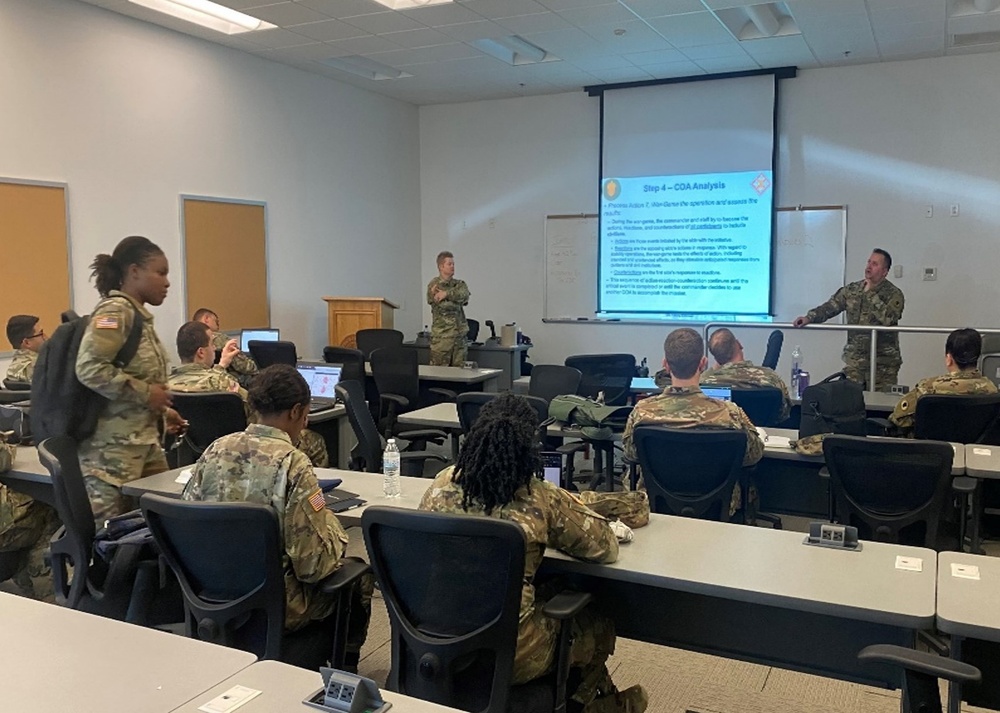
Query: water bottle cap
[391, 440]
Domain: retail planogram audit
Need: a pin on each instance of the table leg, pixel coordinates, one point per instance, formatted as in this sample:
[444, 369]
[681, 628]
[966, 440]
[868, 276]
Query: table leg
[955, 687]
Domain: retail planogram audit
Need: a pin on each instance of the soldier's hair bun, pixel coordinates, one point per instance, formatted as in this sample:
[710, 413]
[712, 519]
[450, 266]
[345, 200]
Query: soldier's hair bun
[277, 389]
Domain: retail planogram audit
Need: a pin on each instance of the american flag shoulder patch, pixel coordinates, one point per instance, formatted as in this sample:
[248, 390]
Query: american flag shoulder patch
[317, 501]
[105, 322]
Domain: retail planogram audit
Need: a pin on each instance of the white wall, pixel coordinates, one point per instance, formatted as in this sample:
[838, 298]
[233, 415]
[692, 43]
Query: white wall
[886, 140]
[130, 115]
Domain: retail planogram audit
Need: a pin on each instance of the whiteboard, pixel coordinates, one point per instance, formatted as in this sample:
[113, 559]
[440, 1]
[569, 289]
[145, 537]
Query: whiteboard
[811, 244]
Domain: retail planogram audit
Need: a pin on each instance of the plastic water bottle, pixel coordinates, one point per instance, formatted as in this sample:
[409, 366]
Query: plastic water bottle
[390, 470]
[796, 368]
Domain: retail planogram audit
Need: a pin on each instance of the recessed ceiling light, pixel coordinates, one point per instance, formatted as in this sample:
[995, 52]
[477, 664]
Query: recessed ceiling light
[207, 14]
[513, 50]
[409, 4]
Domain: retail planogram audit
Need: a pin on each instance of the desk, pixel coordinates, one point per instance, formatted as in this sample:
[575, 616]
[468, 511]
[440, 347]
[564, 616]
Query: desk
[56, 659]
[335, 428]
[455, 376]
[283, 688]
[761, 595]
[29, 476]
[506, 359]
[967, 608]
[877, 403]
[640, 385]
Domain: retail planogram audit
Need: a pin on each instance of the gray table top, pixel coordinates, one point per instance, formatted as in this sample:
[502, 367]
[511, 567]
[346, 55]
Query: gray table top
[56, 659]
[874, 401]
[982, 461]
[283, 688]
[968, 607]
[455, 374]
[445, 417]
[27, 467]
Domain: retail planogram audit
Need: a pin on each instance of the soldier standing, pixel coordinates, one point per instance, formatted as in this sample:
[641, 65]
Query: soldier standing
[871, 301]
[447, 298]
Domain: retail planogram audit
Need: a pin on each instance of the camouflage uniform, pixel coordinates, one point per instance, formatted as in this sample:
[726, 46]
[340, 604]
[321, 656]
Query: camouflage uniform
[904, 416]
[687, 407]
[26, 524]
[550, 517]
[882, 305]
[196, 378]
[260, 465]
[126, 444]
[745, 375]
[242, 367]
[22, 366]
[448, 326]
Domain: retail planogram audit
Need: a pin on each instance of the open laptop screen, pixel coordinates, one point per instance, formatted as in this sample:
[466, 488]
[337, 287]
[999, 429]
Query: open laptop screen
[552, 465]
[259, 335]
[321, 377]
[723, 393]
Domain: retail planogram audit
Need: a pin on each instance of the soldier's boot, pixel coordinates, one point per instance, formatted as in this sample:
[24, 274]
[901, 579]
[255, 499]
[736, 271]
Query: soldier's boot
[632, 700]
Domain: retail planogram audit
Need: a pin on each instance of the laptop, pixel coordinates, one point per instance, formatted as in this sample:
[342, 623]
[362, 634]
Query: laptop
[322, 378]
[552, 468]
[723, 393]
[258, 335]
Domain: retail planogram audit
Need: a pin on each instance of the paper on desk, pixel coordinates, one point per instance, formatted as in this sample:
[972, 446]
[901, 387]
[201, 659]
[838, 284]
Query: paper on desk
[779, 441]
[982, 451]
[910, 564]
[184, 477]
[230, 700]
[964, 571]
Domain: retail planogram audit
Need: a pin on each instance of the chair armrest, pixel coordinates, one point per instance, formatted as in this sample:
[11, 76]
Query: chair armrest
[422, 434]
[566, 605]
[448, 394]
[875, 426]
[346, 575]
[574, 447]
[921, 662]
[824, 472]
[421, 455]
[395, 398]
[964, 484]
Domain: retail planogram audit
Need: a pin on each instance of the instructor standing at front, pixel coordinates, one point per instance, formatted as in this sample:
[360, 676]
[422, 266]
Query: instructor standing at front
[871, 301]
[447, 298]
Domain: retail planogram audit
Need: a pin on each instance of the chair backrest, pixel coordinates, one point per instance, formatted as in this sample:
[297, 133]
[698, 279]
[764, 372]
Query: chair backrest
[762, 404]
[17, 385]
[227, 558]
[989, 365]
[268, 353]
[473, 333]
[690, 472]
[608, 373]
[550, 380]
[369, 340]
[891, 489]
[773, 351]
[396, 370]
[469, 405]
[368, 455]
[959, 418]
[13, 396]
[210, 415]
[452, 587]
[18, 420]
[352, 360]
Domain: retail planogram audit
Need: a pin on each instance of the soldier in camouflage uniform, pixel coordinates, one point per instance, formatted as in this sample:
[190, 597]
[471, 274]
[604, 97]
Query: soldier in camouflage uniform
[683, 405]
[961, 355]
[198, 373]
[241, 366]
[27, 339]
[26, 524]
[126, 444]
[871, 301]
[732, 368]
[447, 298]
[496, 477]
[261, 465]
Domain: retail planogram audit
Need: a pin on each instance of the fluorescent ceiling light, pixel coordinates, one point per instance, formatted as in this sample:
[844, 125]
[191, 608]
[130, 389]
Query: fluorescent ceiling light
[513, 50]
[409, 4]
[207, 14]
[364, 67]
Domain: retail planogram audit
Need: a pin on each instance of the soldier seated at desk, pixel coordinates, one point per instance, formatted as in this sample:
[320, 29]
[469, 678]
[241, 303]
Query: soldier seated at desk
[27, 340]
[241, 366]
[198, 372]
[961, 356]
[732, 368]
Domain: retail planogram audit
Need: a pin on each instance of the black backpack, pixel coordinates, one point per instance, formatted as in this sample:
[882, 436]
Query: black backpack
[834, 405]
[60, 404]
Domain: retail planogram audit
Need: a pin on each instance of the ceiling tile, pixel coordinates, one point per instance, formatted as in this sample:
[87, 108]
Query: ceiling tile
[469, 31]
[412, 39]
[669, 70]
[718, 65]
[439, 53]
[571, 4]
[592, 64]
[641, 59]
[383, 22]
[691, 30]
[446, 14]
[728, 49]
[361, 45]
[570, 43]
[914, 47]
[494, 9]
[637, 37]
[599, 15]
[329, 30]
[615, 76]
[277, 38]
[343, 8]
[283, 14]
[660, 8]
[539, 22]
[302, 53]
[909, 14]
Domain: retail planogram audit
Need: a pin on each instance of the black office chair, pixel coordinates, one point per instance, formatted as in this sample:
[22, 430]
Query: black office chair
[210, 415]
[959, 418]
[473, 334]
[266, 353]
[17, 420]
[471, 403]
[892, 489]
[773, 351]
[68, 316]
[550, 380]
[397, 377]
[11, 385]
[128, 587]
[367, 453]
[610, 374]
[228, 560]
[690, 472]
[452, 587]
[761, 404]
[920, 673]
[351, 360]
[369, 340]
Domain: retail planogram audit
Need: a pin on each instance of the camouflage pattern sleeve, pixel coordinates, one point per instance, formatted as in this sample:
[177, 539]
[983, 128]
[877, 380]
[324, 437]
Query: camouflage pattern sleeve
[831, 308]
[109, 327]
[458, 292]
[315, 541]
[8, 452]
[887, 304]
[755, 446]
[632, 508]
[242, 363]
[431, 287]
[628, 442]
[22, 366]
[904, 415]
[576, 529]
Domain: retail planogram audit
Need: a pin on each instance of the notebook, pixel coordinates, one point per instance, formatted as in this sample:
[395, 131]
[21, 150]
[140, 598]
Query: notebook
[257, 335]
[322, 378]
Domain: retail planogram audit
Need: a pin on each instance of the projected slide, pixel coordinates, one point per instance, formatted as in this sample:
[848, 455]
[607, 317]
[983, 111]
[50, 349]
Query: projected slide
[690, 245]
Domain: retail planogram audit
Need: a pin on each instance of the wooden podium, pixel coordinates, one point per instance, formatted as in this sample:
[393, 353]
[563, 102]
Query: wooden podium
[346, 315]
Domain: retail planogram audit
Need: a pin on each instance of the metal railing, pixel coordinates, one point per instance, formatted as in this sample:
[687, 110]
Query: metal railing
[874, 330]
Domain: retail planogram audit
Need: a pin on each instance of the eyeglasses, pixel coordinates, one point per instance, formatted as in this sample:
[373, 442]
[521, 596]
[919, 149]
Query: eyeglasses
[35, 336]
